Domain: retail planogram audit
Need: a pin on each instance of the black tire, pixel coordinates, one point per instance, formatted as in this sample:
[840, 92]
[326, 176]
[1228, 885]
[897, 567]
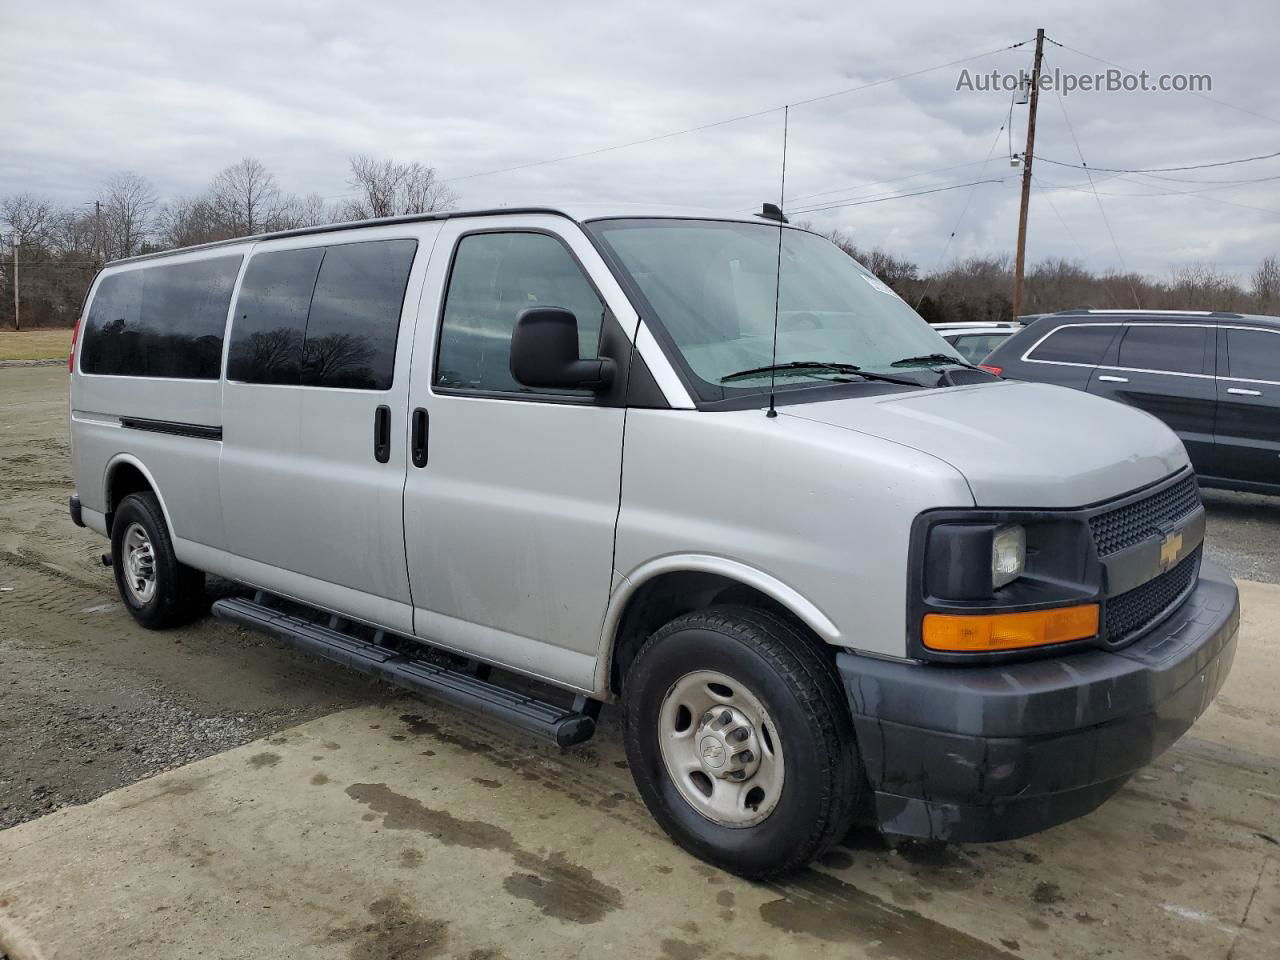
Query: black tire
[792, 676]
[178, 597]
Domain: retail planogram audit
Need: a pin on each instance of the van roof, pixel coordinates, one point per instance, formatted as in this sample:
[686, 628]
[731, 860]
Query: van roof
[578, 213]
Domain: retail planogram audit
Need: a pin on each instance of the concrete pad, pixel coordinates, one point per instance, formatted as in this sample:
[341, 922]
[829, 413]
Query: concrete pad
[406, 831]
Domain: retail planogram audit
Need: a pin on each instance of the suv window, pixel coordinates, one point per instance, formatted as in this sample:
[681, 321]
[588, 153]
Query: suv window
[1253, 355]
[495, 276]
[1085, 343]
[1164, 347]
[321, 316]
[975, 347]
[165, 320]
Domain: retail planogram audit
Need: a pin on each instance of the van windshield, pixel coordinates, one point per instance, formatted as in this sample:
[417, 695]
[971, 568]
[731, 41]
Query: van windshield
[711, 284]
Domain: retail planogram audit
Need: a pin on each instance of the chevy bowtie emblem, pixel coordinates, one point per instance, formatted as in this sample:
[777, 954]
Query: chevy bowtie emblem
[1170, 548]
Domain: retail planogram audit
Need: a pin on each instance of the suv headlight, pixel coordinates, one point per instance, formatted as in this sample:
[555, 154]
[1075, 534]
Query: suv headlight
[1008, 555]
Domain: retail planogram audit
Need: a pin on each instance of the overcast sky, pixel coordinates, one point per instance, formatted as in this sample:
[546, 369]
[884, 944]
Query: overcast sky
[176, 91]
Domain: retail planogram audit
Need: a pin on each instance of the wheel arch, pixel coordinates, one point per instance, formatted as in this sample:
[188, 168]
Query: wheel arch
[667, 587]
[126, 474]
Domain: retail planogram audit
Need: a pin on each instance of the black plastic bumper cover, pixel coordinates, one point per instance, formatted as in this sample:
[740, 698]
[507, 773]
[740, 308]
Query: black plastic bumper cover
[76, 516]
[972, 754]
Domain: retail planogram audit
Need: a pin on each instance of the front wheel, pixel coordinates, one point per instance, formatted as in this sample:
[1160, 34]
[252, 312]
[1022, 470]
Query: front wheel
[740, 740]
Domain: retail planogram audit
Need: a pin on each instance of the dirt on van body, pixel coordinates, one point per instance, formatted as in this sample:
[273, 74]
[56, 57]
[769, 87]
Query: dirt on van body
[92, 701]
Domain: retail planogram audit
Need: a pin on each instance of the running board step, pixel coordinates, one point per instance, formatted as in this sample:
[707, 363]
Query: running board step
[563, 726]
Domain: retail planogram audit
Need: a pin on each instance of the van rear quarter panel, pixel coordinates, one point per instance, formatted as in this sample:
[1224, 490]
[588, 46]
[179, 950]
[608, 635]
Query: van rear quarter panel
[823, 511]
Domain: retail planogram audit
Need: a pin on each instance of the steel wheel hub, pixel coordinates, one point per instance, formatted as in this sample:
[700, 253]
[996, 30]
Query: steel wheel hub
[721, 749]
[139, 564]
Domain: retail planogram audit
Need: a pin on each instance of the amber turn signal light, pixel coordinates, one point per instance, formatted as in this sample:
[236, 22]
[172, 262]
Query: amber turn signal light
[988, 632]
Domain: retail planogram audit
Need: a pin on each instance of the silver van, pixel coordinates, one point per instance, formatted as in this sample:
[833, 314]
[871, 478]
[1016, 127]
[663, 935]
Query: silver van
[710, 468]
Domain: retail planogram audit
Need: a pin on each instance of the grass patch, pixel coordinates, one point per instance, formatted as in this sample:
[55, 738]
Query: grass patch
[34, 344]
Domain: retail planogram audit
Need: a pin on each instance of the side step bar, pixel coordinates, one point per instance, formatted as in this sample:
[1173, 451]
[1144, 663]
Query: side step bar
[563, 726]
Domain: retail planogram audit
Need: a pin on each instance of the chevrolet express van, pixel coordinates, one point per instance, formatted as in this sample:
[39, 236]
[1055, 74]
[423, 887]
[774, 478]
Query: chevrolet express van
[710, 468]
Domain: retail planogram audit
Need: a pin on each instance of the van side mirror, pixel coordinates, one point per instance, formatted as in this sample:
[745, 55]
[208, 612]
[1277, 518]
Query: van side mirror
[544, 353]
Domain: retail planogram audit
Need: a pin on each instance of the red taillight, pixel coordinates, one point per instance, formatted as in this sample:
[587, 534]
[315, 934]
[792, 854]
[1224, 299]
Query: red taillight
[71, 357]
[998, 371]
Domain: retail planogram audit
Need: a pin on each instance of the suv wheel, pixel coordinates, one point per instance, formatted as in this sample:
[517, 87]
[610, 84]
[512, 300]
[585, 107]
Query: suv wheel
[740, 740]
[159, 591]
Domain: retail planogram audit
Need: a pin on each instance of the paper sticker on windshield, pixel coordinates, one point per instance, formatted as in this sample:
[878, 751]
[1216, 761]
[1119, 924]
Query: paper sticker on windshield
[876, 284]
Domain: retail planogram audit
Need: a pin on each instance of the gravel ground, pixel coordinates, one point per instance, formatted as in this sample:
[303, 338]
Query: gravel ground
[92, 702]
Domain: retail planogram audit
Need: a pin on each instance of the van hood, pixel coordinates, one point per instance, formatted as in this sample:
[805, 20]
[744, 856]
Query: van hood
[1018, 444]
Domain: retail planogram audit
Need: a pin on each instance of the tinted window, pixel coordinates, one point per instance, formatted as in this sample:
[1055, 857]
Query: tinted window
[1082, 344]
[494, 277]
[1163, 347]
[974, 347]
[271, 317]
[160, 321]
[1253, 354]
[355, 315]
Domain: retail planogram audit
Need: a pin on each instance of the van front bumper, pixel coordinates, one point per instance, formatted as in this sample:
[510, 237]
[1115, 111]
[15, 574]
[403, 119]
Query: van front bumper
[971, 754]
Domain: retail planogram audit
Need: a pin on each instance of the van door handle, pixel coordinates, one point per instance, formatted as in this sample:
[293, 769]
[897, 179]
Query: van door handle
[1110, 379]
[1242, 392]
[418, 447]
[382, 434]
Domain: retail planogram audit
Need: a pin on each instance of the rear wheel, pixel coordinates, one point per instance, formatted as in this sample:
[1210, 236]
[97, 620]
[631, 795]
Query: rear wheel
[740, 740]
[156, 588]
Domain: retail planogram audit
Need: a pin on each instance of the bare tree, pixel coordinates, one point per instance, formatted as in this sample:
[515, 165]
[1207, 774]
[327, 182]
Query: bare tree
[28, 219]
[127, 214]
[295, 211]
[1266, 284]
[387, 188]
[246, 197]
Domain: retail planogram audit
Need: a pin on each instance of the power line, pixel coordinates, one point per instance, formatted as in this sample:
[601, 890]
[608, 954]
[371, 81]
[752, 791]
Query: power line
[963, 210]
[737, 119]
[1194, 166]
[873, 183]
[1098, 199]
[1065, 226]
[1196, 93]
[896, 196]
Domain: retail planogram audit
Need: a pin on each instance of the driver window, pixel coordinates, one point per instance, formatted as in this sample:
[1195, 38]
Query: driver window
[495, 276]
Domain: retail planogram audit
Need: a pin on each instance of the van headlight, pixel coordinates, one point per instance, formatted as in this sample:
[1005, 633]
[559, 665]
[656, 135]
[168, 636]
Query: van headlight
[1008, 555]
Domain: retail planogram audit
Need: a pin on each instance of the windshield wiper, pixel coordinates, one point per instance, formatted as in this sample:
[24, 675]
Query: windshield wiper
[849, 368]
[935, 358]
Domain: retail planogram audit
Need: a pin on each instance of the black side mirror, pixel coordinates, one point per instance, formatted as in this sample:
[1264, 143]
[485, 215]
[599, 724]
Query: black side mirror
[544, 353]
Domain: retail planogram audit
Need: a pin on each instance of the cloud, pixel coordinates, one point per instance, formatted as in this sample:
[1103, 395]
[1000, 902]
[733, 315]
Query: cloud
[178, 91]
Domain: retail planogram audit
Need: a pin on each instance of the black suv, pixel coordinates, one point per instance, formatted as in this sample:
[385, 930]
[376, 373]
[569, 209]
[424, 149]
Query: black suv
[1213, 377]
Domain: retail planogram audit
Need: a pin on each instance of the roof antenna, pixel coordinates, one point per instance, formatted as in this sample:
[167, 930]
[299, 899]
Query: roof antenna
[777, 282]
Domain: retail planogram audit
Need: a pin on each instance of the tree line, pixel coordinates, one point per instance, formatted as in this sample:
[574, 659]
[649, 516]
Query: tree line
[59, 249]
[51, 253]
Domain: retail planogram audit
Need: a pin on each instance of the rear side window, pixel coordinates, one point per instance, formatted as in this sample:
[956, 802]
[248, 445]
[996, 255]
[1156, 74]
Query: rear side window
[1080, 344]
[321, 316]
[165, 320]
[1253, 355]
[1163, 347]
[494, 277]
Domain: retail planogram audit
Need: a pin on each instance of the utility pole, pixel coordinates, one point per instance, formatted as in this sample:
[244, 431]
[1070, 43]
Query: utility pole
[97, 234]
[17, 323]
[1027, 155]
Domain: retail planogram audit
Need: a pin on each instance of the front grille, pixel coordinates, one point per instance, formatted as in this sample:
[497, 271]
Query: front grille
[1132, 523]
[1130, 612]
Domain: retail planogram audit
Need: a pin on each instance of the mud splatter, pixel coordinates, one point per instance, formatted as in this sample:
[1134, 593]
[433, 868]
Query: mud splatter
[837, 912]
[485, 782]
[395, 933]
[673, 949]
[1010, 944]
[557, 887]
[1167, 833]
[319, 780]
[1047, 893]
[330, 745]
[420, 725]
[411, 858]
[1167, 880]
[260, 760]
